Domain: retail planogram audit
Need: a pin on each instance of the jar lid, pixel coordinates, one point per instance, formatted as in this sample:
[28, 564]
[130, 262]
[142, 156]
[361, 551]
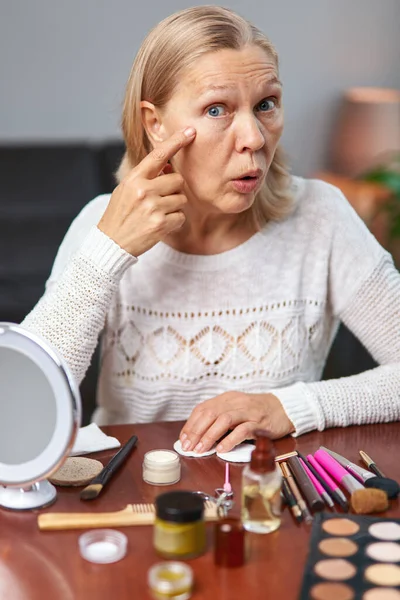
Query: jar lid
[161, 458]
[179, 507]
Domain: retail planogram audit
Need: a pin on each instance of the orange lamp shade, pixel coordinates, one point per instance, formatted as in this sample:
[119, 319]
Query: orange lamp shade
[367, 130]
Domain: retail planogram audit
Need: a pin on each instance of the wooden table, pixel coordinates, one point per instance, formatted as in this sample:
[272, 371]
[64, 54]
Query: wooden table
[47, 565]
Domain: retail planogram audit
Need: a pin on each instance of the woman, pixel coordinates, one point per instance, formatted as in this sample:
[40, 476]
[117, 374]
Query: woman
[216, 279]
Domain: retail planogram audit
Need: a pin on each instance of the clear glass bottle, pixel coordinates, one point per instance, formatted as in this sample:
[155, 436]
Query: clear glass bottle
[261, 488]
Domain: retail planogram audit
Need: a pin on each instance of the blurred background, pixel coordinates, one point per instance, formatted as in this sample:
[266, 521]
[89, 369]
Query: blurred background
[63, 69]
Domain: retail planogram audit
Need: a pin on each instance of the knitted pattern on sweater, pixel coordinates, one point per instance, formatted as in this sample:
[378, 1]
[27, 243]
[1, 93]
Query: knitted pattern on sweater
[177, 329]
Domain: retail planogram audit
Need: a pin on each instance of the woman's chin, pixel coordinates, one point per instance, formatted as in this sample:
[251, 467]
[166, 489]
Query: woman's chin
[237, 203]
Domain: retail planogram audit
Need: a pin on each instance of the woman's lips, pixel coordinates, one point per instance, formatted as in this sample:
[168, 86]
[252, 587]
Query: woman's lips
[246, 186]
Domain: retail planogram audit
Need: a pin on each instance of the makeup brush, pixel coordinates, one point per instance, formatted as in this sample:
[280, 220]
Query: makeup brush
[287, 474]
[95, 487]
[323, 477]
[291, 500]
[366, 501]
[320, 490]
[371, 464]
[313, 499]
[227, 484]
[337, 471]
[361, 474]
[380, 482]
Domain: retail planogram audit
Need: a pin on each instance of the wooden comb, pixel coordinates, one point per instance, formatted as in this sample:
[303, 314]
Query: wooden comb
[132, 514]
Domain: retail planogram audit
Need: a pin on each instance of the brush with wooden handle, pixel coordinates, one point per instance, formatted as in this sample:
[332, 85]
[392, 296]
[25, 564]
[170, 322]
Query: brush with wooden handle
[132, 514]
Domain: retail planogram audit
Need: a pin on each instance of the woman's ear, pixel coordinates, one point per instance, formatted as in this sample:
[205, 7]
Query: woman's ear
[152, 122]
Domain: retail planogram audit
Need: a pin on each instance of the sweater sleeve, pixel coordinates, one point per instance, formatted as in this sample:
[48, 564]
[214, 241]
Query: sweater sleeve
[86, 274]
[365, 295]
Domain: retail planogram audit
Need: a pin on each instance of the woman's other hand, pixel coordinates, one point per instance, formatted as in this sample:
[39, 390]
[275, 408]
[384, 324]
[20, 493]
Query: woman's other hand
[144, 207]
[242, 413]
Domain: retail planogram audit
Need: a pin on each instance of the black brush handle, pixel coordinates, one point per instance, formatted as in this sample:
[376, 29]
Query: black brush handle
[116, 461]
[375, 469]
[288, 494]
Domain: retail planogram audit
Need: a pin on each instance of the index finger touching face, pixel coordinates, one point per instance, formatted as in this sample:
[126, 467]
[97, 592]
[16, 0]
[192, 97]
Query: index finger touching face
[154, 162]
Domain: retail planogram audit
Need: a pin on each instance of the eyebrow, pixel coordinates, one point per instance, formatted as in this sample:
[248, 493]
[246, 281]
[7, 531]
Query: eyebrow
[227, 88]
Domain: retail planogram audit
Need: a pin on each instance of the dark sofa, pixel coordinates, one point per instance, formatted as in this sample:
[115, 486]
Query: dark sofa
[42, 188]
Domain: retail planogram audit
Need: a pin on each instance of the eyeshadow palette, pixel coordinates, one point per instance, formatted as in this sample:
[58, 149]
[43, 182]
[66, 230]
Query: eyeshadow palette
[353, 557]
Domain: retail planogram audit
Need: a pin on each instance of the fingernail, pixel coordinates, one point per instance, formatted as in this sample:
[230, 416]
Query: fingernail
[186, 445]
[220, 448]
[199, 447]
[183, 437]
[189, 131]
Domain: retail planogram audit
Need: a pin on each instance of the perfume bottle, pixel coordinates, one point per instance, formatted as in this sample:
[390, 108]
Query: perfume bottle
[261, 488]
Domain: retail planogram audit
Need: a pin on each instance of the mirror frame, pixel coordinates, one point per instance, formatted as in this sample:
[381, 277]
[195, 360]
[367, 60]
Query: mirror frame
[68, 407]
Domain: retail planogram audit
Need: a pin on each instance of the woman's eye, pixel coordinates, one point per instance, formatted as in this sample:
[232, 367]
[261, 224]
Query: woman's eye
[216, 111]
[267, 104]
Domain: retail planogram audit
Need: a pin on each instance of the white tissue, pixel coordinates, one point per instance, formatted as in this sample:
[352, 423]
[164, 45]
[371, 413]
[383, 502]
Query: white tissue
[92, 439]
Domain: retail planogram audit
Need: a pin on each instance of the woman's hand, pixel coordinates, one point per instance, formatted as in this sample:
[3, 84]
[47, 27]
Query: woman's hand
[243, 413]
[144, 207]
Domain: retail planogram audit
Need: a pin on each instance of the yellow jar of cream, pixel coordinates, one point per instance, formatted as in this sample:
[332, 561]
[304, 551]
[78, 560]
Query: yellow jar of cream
[171, 581]
[179, 528]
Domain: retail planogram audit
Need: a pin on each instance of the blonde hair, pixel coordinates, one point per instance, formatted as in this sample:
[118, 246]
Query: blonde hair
[170, 47]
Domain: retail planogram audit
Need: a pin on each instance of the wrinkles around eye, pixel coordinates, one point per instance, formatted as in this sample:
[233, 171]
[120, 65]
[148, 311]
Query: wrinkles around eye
[221, 111]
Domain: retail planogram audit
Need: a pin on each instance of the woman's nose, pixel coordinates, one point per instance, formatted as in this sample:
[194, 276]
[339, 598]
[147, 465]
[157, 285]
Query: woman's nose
[248, 134]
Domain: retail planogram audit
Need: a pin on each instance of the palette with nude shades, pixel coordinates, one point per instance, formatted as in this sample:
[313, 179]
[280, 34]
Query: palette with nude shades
[353, 557]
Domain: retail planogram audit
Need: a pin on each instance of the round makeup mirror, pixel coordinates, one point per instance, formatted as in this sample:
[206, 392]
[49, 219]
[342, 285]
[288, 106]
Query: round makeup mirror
[39, 417]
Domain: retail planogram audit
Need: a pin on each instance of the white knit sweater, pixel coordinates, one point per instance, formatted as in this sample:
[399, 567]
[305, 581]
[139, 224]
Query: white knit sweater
[178, 329]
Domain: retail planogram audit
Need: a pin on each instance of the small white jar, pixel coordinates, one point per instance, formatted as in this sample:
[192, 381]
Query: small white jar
[161, 467]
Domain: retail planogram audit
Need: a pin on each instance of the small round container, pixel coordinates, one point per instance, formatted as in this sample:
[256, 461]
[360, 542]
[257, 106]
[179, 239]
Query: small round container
[179, 528]
[161, 467]
[103, 546]
[170, 580]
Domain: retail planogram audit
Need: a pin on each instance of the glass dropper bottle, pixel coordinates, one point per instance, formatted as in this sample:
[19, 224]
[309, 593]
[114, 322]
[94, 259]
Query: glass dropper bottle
[261, 488]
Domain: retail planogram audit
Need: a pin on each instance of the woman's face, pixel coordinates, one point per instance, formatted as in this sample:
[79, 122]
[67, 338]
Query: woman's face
[233, 99]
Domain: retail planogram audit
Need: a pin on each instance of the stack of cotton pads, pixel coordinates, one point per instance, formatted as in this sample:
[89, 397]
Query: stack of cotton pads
[239, 454]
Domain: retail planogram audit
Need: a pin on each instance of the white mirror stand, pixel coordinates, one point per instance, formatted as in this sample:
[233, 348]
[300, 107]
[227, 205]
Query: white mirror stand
[38, 495]
[39, 418]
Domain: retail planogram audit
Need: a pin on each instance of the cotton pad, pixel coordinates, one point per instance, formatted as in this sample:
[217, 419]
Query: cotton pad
[239, 454]
[178, 449]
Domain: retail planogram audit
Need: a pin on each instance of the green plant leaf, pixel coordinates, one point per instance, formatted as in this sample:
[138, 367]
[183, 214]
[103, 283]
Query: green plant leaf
[390, 179]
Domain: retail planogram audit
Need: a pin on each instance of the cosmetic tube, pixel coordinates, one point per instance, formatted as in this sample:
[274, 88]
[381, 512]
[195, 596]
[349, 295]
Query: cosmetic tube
[320, 490]
[341, 475]
[358, 472]
[305, 484]
[335, 491]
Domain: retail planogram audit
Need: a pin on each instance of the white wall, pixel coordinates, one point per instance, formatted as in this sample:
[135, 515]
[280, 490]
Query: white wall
[64, 63]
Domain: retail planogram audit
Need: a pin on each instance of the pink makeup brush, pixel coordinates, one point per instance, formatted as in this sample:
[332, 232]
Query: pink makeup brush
[227, 485]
